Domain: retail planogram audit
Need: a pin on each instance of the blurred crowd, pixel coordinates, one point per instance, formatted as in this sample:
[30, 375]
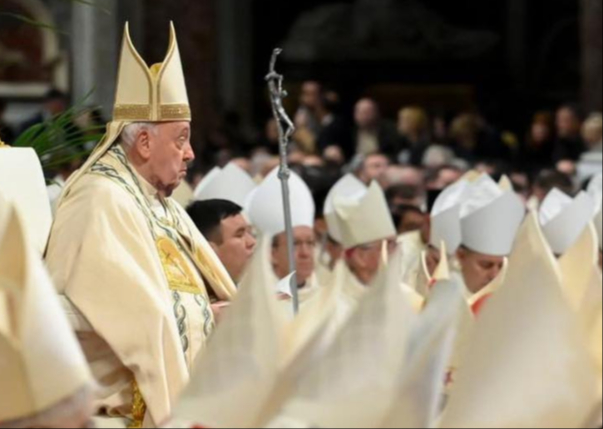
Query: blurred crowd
[418, 153]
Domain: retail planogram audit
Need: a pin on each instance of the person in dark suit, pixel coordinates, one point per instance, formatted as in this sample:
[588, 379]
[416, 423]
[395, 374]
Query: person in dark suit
[570, 145]
[6, 133]
[55, 103]
[372, 133]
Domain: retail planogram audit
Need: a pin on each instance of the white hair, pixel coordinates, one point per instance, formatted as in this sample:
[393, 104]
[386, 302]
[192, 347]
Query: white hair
[56, 416]
[130, 133]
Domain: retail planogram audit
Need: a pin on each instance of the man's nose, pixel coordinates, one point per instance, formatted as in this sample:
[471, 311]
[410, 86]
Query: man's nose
[189, 153]
[251, 242]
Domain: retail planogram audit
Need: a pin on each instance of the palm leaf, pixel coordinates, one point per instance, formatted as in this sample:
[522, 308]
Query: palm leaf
[45, 26]
[59, 140]
[33, 22]
[92, 3]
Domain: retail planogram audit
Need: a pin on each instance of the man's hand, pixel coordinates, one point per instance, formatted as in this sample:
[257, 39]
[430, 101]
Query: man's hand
[218, 309]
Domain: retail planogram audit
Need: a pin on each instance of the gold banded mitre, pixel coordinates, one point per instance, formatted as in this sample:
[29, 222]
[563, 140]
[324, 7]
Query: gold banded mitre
[151, 94]
[143, 94]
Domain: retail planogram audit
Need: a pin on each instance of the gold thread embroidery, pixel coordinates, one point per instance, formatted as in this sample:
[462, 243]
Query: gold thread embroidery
[175, 112]
[142, 112]
[132, 112]
[139, 407]
[3, 145]
[179, 274]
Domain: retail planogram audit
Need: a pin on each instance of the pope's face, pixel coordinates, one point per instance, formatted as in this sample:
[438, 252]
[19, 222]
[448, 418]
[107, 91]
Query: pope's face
[479, 270]
[170, 153]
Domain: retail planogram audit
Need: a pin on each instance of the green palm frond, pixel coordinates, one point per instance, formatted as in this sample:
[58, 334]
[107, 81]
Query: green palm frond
[46, 26]
[59, 140]
[33, 22]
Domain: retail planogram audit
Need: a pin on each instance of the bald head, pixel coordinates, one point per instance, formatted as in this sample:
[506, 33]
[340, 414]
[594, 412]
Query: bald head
[366, 114]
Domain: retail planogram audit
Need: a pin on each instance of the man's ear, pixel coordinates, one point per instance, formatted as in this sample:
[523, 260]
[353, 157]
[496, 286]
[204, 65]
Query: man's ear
[461, 254]
[353, 257]
[214, 246]
[143, 144]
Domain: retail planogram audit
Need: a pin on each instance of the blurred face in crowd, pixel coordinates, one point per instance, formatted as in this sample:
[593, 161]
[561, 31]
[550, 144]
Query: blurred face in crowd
[305, 245]
[374, 167]
[567, 167]
[311, 95]
[415, 221]
[448, 176]
[272, 132]
[479, 270]
[55, 106]
[541, 133]
[161, 153]
[592, 131]
[412, 121]
[398, 175]
[521, 183]
[243, 164]
[432, 259]
[234, 245]
[296, 157]
[364, 261]
[366, 114]
[568, 123]
[334, 155]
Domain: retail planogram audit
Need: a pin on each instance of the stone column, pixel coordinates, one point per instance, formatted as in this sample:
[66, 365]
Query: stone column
[95, 50]
[235, 56]
[592, 55]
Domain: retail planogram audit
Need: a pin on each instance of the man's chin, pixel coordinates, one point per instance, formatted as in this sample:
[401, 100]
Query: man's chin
[169, 190]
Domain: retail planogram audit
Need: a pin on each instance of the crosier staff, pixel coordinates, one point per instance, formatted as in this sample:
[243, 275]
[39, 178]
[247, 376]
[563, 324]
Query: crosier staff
[286, 128]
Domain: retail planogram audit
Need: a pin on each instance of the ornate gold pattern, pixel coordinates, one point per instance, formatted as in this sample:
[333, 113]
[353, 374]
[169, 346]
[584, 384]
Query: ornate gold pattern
[209, 273]
[132, 112]
[179, 274]
[142, 112]
[139, 407]
[175, 112]
[3, 145]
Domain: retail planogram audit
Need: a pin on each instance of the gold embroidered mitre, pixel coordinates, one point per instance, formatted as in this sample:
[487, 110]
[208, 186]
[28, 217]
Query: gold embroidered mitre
[143, 94]
[155, 94]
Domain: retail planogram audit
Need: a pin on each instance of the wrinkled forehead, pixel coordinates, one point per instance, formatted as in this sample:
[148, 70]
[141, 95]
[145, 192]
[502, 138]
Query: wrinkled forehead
[174, 127]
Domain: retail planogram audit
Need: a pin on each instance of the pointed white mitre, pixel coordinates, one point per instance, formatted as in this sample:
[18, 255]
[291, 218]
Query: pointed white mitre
[348, 186]
[446, 217]
[564, 219]
[231, 184]
[364, 218]
[266, 209]
[150, 94]
[22, 183]
[41, 363]
[595, 190]
[491, 216]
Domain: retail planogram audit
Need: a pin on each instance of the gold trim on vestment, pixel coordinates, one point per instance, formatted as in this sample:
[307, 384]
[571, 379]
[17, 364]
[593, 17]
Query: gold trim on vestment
[178, 272]
[139, 407]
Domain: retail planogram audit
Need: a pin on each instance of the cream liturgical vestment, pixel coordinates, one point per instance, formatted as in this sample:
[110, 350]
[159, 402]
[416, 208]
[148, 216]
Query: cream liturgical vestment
[133, 270]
